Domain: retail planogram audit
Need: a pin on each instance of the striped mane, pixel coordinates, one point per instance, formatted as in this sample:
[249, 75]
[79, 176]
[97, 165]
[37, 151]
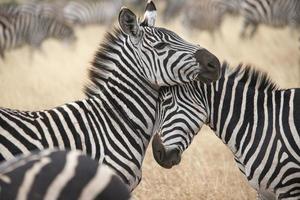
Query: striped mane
[258, 79]
[101, 66]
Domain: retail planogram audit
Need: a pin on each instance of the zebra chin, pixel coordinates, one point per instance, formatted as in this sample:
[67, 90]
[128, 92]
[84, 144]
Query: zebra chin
[165, 157]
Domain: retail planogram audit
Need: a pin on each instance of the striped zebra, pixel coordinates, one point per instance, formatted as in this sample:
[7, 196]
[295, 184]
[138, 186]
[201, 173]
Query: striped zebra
[204, 15]
[114, 124]
[22, 29]
[276, 13]
[97, 12]
[54, 174]
[258, 122]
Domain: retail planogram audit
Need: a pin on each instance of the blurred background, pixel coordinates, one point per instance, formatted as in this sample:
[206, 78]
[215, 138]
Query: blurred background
[46, 64]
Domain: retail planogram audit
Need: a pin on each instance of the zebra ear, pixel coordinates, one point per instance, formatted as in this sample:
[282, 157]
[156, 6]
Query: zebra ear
[150, 14]
[128, 22]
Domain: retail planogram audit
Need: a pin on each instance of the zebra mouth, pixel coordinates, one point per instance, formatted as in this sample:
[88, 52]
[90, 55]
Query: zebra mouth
[165, 157]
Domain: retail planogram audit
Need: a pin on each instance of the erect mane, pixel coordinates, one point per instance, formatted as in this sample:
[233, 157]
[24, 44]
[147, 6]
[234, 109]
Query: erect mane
[258, 79]
[100, 66]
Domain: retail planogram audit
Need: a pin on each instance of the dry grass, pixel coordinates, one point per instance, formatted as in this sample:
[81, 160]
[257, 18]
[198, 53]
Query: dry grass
[207, 170]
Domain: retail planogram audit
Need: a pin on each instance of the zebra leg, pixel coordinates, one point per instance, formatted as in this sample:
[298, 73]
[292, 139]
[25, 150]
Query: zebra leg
[2, 55]
[254, 29]
[246, 24]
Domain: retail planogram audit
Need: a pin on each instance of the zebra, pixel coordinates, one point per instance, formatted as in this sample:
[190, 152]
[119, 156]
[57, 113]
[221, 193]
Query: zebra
[55, 174]
[204, 15]
[257, 121]
[21, 29]
[97, 12]
[114, 123]
[276, 13]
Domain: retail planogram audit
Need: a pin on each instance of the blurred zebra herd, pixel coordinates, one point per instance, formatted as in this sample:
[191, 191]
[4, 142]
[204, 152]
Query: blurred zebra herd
[33, 22]
[208, 15]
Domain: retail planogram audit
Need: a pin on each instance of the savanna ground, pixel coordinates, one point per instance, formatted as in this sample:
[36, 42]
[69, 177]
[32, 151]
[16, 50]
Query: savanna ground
[207, 170]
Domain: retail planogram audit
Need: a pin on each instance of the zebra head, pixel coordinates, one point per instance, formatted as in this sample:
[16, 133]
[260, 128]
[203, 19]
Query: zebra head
[165, 58]
[181, 112]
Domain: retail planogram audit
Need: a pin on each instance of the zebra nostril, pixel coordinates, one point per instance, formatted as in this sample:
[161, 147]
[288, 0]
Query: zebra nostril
[160, 155]
[209, 65]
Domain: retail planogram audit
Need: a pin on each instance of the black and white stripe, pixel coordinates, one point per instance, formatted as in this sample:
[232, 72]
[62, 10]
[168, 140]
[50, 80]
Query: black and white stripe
[54, 174]
[89, 12]
[114, 125]
[204, 15]
[18, 30]
[259, 123]
[276, 13]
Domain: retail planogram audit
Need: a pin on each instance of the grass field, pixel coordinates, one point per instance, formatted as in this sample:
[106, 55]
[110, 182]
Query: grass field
[207, 170]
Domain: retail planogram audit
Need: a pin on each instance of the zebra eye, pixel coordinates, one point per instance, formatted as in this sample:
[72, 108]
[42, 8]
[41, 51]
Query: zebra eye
[161, 45]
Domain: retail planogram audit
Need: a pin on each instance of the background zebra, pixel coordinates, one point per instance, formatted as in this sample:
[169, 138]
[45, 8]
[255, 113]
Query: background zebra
[276, 13]
[259, 123]
[114, 125]
[98, 12]
[203, 15]
[18, 30]
[54, 174]
[69, 12]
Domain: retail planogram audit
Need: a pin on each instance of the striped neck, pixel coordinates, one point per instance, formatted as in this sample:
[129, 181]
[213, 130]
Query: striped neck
[116, 75]
[236, 102]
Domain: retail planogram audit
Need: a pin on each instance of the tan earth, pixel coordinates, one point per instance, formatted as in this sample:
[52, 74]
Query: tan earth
[207, 170]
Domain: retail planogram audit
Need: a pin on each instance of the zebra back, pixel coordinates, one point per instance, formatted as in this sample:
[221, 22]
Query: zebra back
[59, 175]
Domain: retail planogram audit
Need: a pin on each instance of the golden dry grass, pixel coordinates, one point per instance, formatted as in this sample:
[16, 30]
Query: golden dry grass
[207, 170]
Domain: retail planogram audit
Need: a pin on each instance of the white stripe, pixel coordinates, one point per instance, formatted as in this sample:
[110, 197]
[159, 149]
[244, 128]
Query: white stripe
[271, 142]
[66, 128]
[230, 113]
[294, 131]
[99, 182]
[259, 169]
[254, 127]
[56, 131]
[76, 125]
[232, 140]
[221, 106]
[19, 131]
[29, 178]
[45, 131]
[27, 124]
[5, 152]
[13, 140]
[285, 139]
[62, 178]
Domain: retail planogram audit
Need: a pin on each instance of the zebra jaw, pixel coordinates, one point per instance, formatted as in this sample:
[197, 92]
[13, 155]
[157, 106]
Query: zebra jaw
[165, 157]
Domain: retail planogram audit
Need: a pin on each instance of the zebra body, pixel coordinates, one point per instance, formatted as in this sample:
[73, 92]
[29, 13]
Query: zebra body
[205, 15]
[69, 12]
[276, 13]
[54, 174]
[114, 124]
[98, 12]
[21, 29]
[259, 123]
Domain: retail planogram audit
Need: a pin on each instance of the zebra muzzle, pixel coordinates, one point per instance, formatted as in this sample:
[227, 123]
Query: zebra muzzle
[165, 157]
[210, 66]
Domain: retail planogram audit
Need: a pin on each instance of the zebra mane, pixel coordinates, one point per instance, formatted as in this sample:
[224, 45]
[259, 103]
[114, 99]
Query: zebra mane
[258, 79]
[100, 66]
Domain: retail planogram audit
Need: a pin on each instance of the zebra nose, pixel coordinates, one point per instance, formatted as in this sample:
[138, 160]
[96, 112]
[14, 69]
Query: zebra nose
[210, 66]
[166, 158]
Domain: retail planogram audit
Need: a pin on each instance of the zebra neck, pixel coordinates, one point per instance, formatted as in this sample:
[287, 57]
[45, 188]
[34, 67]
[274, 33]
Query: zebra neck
[235, 110]
[133, 98]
